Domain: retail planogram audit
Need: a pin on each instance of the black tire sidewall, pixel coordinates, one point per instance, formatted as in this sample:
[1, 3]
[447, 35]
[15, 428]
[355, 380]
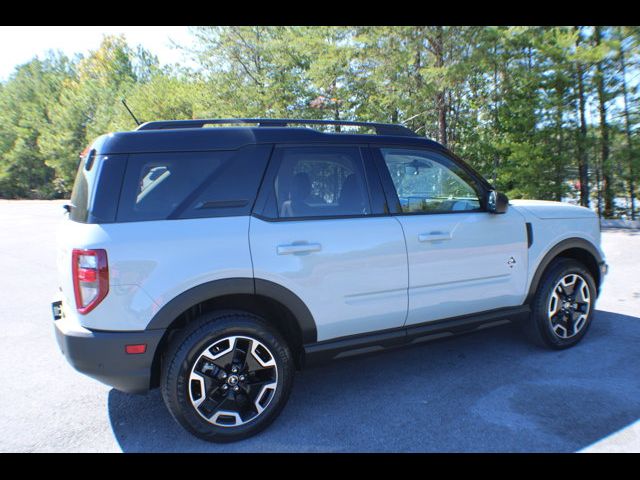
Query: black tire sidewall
[187, 346]
[555, 272]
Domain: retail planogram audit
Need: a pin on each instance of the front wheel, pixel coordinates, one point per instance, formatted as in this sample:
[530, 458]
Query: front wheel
[226, 376]
[563, 306]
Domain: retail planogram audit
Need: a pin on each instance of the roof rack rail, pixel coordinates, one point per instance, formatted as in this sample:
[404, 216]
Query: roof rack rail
[380, 128]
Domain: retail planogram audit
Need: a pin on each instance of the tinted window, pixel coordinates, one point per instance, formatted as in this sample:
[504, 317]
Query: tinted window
[429, 182]
[191, 184]
[97, 187]
[80, 194]
[321, 182]
[83, 186]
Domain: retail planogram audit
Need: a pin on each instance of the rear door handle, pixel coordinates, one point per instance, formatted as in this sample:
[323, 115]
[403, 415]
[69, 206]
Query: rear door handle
[434, 236]
[294, 248]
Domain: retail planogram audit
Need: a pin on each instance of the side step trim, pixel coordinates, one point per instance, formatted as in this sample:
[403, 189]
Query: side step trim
[321, 352]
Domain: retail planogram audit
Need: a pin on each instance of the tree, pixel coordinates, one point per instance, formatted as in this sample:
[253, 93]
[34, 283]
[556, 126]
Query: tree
[517, 103]
[603, 98]
[26, 102]
[88, 104]
[581, 142]
[626, 42]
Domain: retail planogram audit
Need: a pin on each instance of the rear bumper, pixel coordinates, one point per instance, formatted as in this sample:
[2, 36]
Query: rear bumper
[102, 356]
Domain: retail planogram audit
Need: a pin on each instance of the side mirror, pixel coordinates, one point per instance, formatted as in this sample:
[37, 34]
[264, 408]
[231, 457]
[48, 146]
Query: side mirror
[497, 202]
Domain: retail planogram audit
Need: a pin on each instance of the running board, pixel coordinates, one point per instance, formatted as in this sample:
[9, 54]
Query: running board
[321, 352]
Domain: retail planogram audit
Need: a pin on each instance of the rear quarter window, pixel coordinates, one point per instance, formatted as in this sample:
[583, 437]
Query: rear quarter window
[176, 185]
[96, 189]
[80, 195]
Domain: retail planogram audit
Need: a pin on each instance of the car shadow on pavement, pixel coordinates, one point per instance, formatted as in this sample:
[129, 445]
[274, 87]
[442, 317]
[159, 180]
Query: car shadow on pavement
[485, 391]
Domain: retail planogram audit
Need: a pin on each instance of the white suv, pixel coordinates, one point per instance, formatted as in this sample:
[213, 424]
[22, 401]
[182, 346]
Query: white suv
[213, 262]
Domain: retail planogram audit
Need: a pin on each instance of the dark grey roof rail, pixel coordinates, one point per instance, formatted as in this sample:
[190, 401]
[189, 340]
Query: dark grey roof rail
[380, 128]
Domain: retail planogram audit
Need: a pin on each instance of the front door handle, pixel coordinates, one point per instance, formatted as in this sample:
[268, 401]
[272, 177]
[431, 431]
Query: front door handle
[294, 248]
[434, 236]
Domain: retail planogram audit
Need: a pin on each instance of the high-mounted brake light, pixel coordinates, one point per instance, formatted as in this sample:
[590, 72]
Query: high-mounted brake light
[90, 272]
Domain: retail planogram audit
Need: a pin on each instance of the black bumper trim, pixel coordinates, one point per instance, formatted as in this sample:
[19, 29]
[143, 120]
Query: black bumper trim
[101, 355]
[604, 269]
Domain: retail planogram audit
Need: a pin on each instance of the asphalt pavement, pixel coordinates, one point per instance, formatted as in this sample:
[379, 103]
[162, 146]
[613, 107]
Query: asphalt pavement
[488, 391]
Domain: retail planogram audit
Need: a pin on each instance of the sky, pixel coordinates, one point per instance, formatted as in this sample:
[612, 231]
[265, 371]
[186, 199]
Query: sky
[21, 44]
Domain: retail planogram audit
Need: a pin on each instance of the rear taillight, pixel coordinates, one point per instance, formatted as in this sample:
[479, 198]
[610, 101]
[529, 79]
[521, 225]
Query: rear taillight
[90, 278]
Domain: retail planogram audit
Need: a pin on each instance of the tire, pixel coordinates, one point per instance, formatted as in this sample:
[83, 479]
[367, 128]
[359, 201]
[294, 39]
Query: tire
[568, 325]
[199, 383]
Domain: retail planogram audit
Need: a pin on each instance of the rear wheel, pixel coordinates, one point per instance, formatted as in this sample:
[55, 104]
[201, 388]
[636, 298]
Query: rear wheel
[563, 306]
[227, 376]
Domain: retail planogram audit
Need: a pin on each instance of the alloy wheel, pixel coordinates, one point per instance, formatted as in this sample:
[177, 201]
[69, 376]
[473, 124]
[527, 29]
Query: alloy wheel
[233, 381]
[569, 306]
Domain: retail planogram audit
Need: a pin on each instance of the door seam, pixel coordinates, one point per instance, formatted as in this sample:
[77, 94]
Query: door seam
[406, 252]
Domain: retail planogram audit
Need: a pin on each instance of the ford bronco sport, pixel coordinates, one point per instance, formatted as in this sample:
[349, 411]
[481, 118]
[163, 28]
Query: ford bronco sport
[213, 262]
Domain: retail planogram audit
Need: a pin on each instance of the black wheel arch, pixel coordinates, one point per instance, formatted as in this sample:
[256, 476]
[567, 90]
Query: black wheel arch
[277, 304]
[576, 248]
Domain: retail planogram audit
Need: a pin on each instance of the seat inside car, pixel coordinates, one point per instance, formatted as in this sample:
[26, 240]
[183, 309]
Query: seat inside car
[351, 200]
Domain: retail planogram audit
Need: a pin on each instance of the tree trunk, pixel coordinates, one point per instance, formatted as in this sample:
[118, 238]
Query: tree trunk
[417, 65]
[583, 161]
[558, 164]
[441, 104]
[607, 187]
[627, 127]
[496, 116]
[598, 168]
[336, 109]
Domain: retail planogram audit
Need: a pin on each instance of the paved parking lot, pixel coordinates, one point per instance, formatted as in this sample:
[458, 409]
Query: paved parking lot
[486, 391]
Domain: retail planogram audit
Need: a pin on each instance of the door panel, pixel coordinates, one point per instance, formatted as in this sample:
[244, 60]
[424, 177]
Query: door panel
[468, 263]
[320, 232]
[462, 259]
[351, 272]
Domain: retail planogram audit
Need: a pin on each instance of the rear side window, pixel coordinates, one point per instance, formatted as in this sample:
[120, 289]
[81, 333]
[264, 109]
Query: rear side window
[161, 186]
[321, 182]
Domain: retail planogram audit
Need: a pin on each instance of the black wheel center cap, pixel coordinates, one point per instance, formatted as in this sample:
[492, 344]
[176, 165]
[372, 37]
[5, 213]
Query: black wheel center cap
[232, 380]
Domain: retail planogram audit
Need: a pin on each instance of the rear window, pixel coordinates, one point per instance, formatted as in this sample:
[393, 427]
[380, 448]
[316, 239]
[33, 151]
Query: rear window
[161, 186]
[82, 187]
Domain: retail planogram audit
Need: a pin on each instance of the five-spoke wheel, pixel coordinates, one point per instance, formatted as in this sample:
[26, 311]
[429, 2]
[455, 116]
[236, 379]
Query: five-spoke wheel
[569, 305]
[233, 380]
[226, 375]
[562, 307]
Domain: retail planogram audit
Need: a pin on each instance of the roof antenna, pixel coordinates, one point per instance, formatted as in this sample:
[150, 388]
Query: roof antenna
[130, 112]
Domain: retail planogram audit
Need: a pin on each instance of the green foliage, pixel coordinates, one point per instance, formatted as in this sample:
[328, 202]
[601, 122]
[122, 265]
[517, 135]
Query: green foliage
[505, 99]
[25, 113]
[88, 104]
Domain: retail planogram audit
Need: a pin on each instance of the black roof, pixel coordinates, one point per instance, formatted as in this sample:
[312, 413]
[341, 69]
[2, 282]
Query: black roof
[188, 135]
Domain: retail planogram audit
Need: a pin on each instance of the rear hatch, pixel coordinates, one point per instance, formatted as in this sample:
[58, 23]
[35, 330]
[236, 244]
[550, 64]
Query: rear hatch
[94, 200]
